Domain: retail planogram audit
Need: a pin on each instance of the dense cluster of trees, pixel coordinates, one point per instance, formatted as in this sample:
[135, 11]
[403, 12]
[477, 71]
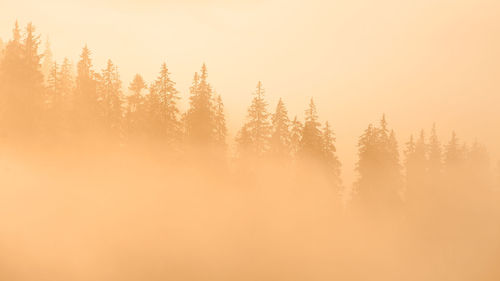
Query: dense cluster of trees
[58, 103]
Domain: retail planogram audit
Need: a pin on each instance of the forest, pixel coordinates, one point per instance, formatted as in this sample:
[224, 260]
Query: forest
[431, 205]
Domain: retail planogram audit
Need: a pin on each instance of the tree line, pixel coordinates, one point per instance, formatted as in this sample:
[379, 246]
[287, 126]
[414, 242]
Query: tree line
[62, 103]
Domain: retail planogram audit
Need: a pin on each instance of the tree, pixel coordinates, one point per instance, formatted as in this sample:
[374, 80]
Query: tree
[48, 60]
[453, 155]
[257, 125]
[416, 169]
[21, 84]
[280, 133]
[110, 99]
[220, 123]
[86, 108]
[135, 112]
[379, 173]
[295, 135]
[311, 141]
[167, 110]
[435, 156]
[330, 159]
[200, 125]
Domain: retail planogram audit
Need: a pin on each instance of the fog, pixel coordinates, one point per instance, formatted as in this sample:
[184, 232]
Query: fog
[129, 216]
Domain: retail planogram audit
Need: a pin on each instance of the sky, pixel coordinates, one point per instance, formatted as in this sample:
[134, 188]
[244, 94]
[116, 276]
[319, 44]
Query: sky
[418, 62]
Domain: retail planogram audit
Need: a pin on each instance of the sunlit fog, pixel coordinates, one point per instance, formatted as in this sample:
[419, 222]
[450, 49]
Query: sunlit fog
[249, 140]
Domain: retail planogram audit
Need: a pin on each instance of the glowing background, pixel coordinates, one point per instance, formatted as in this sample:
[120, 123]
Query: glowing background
[417, 61]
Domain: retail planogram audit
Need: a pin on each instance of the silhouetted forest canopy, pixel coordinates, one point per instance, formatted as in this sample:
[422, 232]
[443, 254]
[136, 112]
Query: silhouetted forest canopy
[57, 103]
[439, 196]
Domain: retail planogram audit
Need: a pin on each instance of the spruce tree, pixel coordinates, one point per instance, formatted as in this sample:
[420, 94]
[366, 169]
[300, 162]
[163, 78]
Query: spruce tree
[330, 159]
[311, 141]
[135, 111]
[295, 135]
[48, 60]
[86, 107]
[110, 99]
[280, 135]
[200, 125]
[257, 125]
[220, 123]
[435, 156]
[379, 183]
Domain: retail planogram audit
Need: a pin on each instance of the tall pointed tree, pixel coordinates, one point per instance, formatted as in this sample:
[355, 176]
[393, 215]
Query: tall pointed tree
[311, 141]
[295, 135]
[435, 156]
[280, 135]
[86, 107]
[200, 125]
[21, 84]
[379, 182]
[257, 125]
[135, 114]
[110, 99]
[48, 60]
[220, 123]
[330, 159]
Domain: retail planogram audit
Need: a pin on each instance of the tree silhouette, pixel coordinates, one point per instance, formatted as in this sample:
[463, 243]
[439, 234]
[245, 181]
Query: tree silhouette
[280, 133]
[199, 119]
[330, 158]
[379, 183]
[311, 144]
[257, 127]
[295, 135]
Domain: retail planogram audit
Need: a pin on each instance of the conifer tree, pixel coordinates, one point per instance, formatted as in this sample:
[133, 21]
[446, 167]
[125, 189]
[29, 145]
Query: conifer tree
[435, 156]
[136, 111]
[410, 161]
[200, 125]
[311, 141]
[220, 123]
[21, 83]
[168, 111]
[330, 158]
[453, 155]
[110, 99]
[257, 125]
[295, 135]
[478, 167]
[86, 107]
[48, 60]
[280, 135]
[379, 183]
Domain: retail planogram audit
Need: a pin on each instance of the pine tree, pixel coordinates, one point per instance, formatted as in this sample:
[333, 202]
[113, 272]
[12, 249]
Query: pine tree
[200, 125]
[435, 156]
[48, 60]
[296, 135]
[330, 158]
[478, 167]
[379, 183]
[280, 135]
[21, 84]
[110, 99]
[410, 162]
[86, 107]
[257, 124]
[136, 111]
[416, 169]
[311, 142]
[168, 111]
[453, 155]
[220, 123]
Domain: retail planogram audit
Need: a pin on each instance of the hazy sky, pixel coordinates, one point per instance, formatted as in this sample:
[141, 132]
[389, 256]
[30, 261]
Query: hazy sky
[417, 61]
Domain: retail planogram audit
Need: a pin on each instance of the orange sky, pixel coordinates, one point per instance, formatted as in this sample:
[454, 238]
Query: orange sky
[417, 61]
